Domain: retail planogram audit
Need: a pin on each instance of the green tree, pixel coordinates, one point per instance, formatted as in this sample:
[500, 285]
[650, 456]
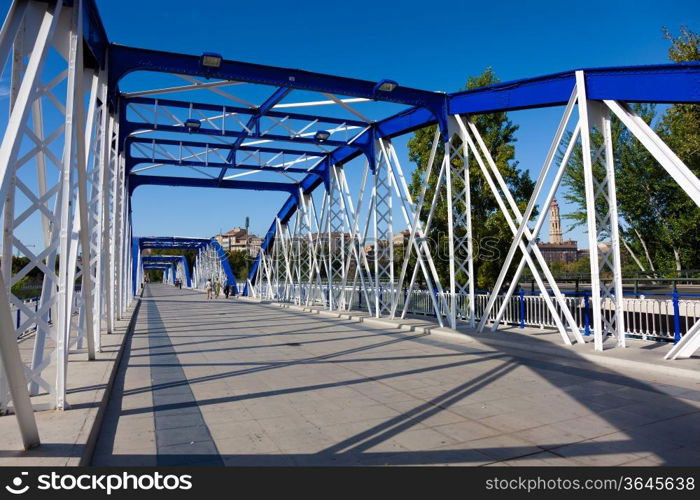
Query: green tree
[660, 223]
[489, 228]
[680, 129]
[239, 262]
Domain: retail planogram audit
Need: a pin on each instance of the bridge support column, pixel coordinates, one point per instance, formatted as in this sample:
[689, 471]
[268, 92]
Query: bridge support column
[383, 233]
[459, 225]
[56, 195]
[601, 205]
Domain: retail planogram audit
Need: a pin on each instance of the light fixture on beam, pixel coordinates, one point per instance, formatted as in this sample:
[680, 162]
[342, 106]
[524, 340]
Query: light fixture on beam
[322, 135]
[192, 124]
[385, 86]
[210, 60]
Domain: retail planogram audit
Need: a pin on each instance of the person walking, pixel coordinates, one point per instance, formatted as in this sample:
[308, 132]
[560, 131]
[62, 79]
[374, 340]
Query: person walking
[207, 287]
[227, 289]
[217, 288]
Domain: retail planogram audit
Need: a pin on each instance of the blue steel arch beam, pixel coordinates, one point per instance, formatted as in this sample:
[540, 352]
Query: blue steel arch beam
[224, 263]
[124, 60]
[665, 83]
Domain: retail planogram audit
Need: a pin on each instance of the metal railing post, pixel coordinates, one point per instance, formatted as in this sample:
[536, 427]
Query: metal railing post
[521, 295]
[586, 316]
[676, 317]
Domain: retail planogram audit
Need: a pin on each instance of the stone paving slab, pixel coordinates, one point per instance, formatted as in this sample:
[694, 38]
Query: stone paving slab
[68, 436]
[206, 382]
[638, 355]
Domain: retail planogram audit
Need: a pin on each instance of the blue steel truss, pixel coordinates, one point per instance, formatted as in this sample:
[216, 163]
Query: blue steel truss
[179, 142]
[170, 260]
[658, 83]
[176, 243]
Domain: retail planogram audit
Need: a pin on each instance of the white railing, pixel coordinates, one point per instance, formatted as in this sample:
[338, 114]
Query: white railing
[19, 317]
[645, 317]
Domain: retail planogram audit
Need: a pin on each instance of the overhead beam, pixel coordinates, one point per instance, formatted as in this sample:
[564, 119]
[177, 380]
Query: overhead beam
[263, 110]
[173, 242]
[224, 146]
[154, 180]
[131, 162]
[131, 127]
[124, 60]
[254, 120]
[663, 83]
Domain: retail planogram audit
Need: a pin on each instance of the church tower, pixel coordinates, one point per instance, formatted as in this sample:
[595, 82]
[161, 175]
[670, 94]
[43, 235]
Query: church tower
[555, 235]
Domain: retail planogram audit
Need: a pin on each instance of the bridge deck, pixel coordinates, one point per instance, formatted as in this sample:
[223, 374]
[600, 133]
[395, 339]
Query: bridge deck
[239, 383]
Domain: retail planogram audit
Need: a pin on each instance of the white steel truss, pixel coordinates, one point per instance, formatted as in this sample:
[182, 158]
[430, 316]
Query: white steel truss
[601, 224]
[207, 266]
[383, 233]
[64, 180]
[60, 176]
[337, 240]
[459, 226]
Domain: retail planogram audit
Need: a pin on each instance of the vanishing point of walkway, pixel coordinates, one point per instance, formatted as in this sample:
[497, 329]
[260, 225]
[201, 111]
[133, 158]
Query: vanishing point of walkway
[212, 382]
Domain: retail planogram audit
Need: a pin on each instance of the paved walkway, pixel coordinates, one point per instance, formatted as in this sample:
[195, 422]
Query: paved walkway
[238, 383]
[66, 436]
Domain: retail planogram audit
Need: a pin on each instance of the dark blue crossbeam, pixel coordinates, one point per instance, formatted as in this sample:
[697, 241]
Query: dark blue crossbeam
[134, 156]
[154, 180]
[124, 60]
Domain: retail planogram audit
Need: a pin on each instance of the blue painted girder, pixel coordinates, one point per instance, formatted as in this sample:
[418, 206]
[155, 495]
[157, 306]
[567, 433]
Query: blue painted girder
[666, 83]
[130, 127]
[134, 157]
[182, 243]
[172, 259]
[123, 60]
[161, 258]
[223, 146]
[174, 242]
[254, 121]
[132, 162]
[220, 109]
[154, 180]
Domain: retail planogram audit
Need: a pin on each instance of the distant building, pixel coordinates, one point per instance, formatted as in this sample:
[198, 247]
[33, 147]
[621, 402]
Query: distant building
[401, 238]
[558, 250]
[238, 239]
[254, 244]
[555, 235]
[383, 253]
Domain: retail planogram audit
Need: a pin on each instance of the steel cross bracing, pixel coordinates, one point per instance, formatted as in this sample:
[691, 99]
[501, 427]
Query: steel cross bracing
[210, 263]
[179, 261]
[80, 139]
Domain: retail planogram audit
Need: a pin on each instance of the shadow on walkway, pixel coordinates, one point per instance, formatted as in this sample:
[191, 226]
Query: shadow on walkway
[642, 419]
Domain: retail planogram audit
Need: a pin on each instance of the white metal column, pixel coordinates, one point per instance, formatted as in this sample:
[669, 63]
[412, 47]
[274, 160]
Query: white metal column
[606, 298]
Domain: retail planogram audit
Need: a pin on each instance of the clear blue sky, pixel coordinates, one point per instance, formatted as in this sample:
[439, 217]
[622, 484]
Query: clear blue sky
[430, 48]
